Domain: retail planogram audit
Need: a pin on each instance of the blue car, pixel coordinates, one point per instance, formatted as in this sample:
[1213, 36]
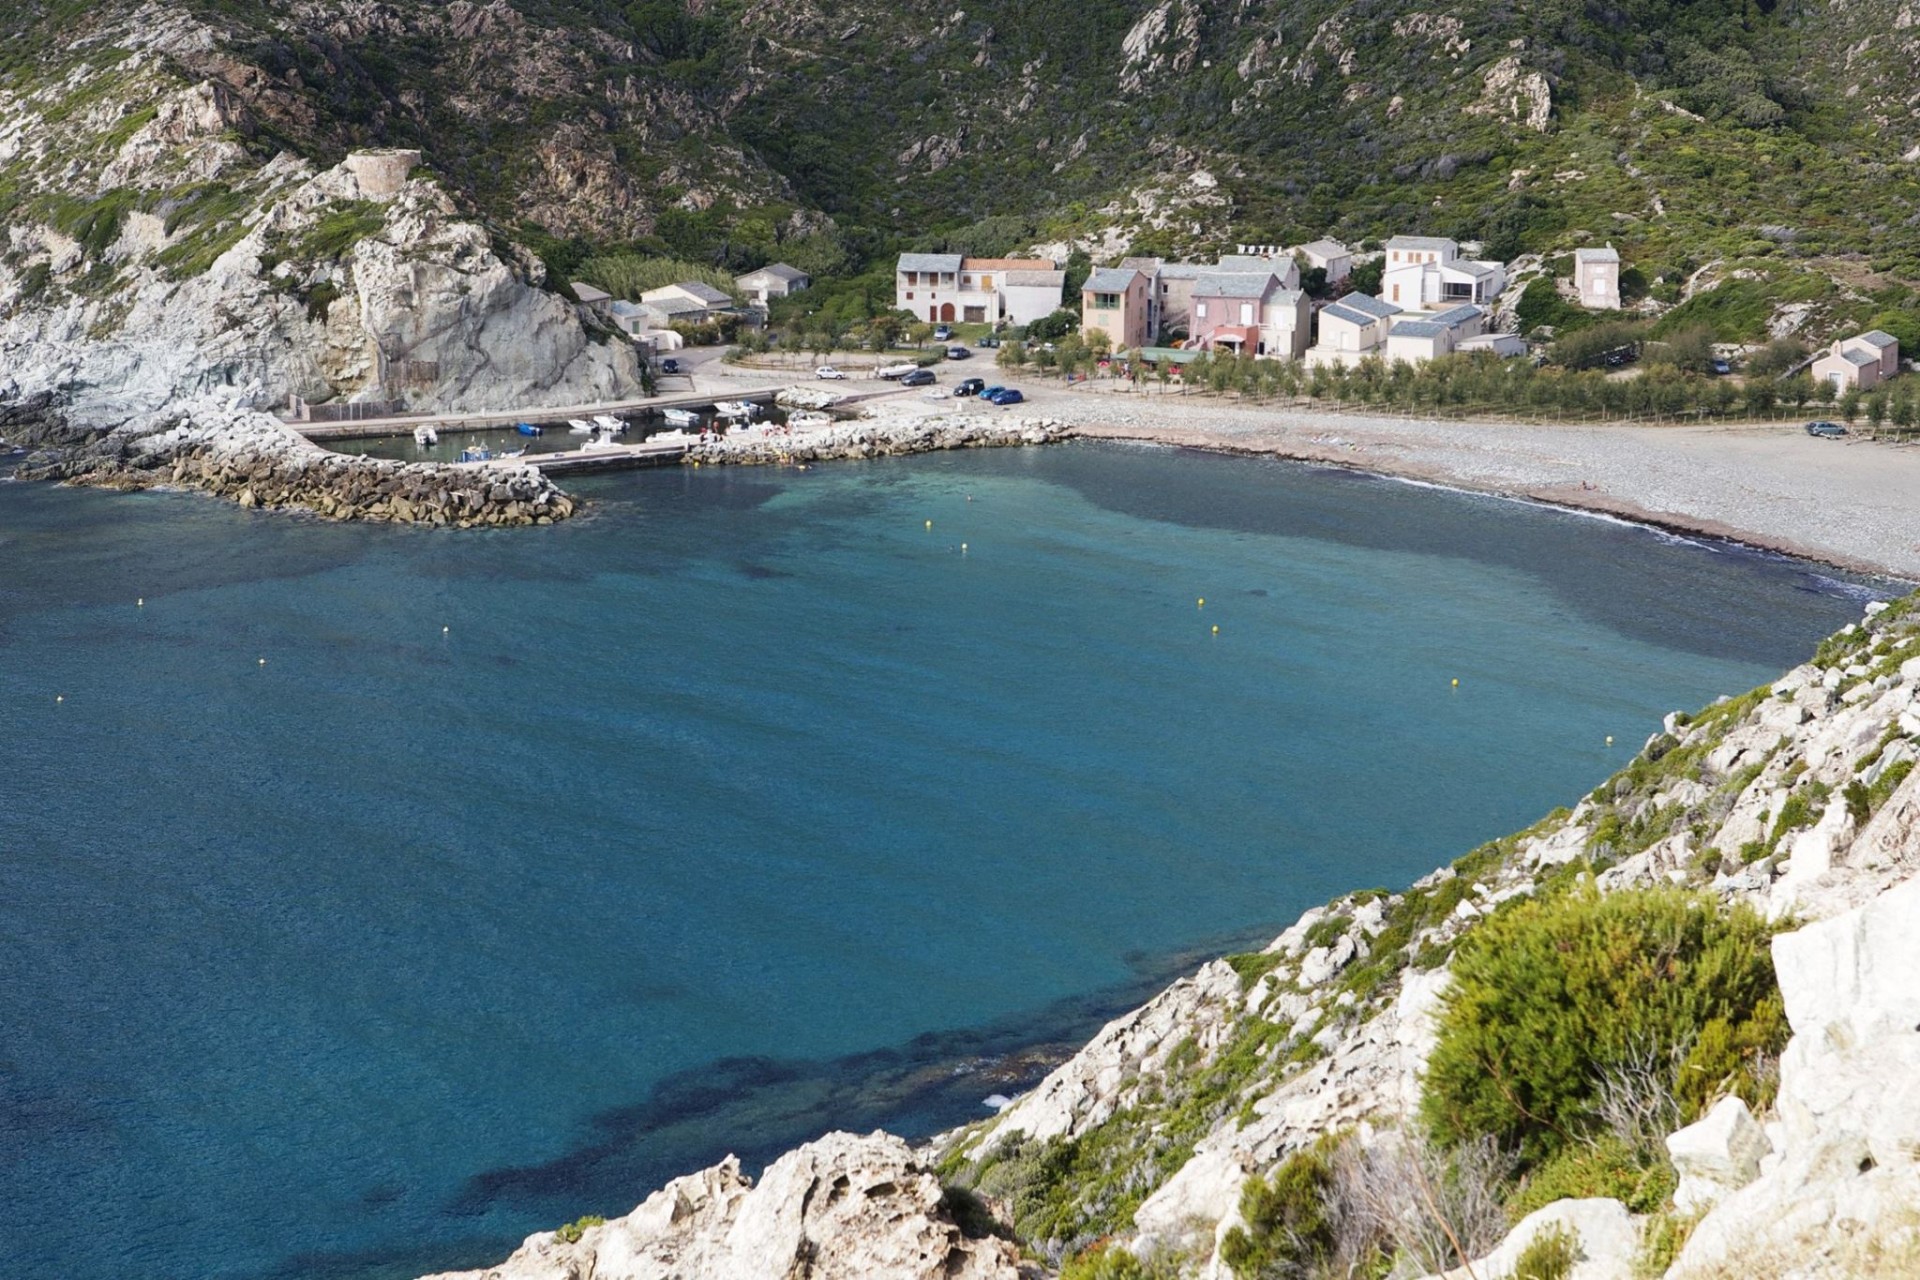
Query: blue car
[988, 393]
[1006, 396]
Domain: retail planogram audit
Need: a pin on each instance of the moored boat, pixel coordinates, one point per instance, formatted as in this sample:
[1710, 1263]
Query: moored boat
[680, 417]
[425, 436]
[527, 429]
[476, 453]
[580, 426]
[610, 424]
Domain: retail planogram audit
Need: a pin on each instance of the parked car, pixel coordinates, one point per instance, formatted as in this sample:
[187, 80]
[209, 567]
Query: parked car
[1007, 396]
[669, 365]
[829, 372]
[970, 387]
[958, 353]
[1620, 356]
[988, 393]
[918, 378]
[1717, 366]
[1826, 430]
[942, 333]
[900, 370]
[988, 341]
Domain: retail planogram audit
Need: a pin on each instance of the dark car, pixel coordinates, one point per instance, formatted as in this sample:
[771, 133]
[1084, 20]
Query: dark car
[669, 366]
[1719, 366]
[970, 387]
[1006, 396]
[958, 353]
[988, 341]
[918, 378]
[1620, 356]
[988, 393]
[1826, 430]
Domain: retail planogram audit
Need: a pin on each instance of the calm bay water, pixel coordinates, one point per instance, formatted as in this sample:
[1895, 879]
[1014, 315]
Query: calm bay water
[746, 807]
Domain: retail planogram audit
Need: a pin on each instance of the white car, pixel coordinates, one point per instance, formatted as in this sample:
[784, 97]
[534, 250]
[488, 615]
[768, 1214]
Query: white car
[830, 373]
[900, 370]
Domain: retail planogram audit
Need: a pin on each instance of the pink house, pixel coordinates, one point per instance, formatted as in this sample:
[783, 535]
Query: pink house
[1249, 312]
[1861, 363]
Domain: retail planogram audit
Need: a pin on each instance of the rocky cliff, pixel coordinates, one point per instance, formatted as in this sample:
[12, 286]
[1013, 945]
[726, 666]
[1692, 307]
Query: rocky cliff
[1798, 800]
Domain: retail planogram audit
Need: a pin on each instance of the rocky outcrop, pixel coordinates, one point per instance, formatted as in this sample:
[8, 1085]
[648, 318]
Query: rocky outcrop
[1718, 1154]
[840, 1208]
[257, 461]
[1606, 1240]
[768, 446]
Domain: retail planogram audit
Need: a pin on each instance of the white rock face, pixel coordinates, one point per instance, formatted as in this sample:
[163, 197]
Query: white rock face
[1608, 1235]
[1841, 1198]
[841, 1208]
[1719, 1154]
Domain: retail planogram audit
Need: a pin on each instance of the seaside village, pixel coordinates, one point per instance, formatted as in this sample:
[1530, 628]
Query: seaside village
[1273, 302]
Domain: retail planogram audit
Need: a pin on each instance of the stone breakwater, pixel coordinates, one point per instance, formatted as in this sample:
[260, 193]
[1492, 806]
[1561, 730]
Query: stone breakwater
[257, 461]
[764, 446]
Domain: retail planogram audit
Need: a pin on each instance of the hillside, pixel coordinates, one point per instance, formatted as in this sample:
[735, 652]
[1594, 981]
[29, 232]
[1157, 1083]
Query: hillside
[1767, 147]
[1669, 1031]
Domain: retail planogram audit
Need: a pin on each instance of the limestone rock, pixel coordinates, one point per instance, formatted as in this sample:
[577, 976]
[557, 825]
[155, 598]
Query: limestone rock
[840, 1208]
[1608, 1235]
[1718, 1154]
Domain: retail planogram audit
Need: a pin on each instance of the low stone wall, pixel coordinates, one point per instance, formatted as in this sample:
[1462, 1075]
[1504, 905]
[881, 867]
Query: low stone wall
[257, 461]
[874, 440]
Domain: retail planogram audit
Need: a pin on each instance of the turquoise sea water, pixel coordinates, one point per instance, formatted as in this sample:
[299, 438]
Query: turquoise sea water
[746, 807]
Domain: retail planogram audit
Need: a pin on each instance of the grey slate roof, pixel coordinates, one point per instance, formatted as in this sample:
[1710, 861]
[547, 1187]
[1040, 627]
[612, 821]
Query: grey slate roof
[929, 262]
[1326, 249]
[1110, 280]
[783, 271]
[1453, 317]
[1417, 329]
[1608, 254]
[1233, 284]
[705, 292]
[1340, 311]
[588, 293]
[1478, 270]
[1148, 265]
[677, 306]
[1425, 244]
[1250, 262]
[1034, 279]
[1182, 271]
[1859, 357]
[1368, 305]
[1879, 338]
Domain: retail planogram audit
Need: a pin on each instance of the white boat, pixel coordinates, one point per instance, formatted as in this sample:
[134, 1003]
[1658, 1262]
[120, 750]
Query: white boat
[809, 420]
[425, 436]
[680, 417]
[602, 442]
[580, 426]
[675, 436]
[476, 453]
[610, 424]
[521, 452]
[736, 408]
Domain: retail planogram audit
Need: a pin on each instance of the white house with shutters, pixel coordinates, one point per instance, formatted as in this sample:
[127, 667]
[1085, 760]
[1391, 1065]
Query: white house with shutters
[1428, 273]
[950, 288]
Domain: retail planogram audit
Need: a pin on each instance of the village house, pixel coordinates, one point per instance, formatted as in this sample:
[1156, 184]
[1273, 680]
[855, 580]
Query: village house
[1116, 301]
[1426, 272]
[1251, 312]
[1596, 278]
[598, 299]
[1329, 256]
[647, 326]
[775, 281]
[948, 288]
[689, 302]
[1351, 330]
[1860, 363]
[1419, 338]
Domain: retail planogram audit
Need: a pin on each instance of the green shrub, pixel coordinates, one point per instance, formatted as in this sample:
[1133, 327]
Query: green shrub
[1550, 996]
[1605, 1167]
[1288, 1228]
[1110, 1262]
[571, 1233]
[1550, 1255]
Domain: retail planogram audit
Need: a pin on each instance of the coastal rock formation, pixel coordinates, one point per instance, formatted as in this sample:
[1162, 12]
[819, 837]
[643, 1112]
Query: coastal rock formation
[759, 447]
[257, 461]
[840, 1208]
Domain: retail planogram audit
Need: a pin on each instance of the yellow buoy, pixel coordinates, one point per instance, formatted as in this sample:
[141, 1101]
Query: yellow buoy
[1216, 629]
[929, 524]
[1201, 603]
[963, 548]
[1609, 739]
[1456, 682]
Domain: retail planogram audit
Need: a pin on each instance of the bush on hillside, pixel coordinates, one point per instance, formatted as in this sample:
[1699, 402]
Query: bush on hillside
[1553, 998]
[1289, 1228]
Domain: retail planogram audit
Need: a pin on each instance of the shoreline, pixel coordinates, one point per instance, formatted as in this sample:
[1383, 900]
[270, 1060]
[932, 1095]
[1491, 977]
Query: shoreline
[1578, 501]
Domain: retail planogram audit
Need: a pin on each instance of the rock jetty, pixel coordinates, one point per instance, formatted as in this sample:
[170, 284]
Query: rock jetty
[767, 446]
[256, 460]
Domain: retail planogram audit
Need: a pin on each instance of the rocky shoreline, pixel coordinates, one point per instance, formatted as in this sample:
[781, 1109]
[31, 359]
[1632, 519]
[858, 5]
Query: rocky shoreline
[255, 460]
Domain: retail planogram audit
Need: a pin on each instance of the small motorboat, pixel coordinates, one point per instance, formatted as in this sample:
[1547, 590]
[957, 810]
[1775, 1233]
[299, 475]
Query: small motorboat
[476, 453]
[580, 426]
[610, 424]
[602, 442]
[809, 420]
[425, 436]
[527, 429]
[736, 409]
[680, 417]
[675, 436]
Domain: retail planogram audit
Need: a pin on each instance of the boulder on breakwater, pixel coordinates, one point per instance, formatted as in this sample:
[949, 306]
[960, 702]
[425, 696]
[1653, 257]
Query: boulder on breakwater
[258, 461]
[769, 445]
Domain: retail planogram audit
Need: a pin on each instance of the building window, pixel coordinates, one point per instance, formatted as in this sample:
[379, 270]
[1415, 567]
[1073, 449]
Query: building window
[1246, 313]
[909, 295]
[975, 315]
[1106, 302]
[1200, 310]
